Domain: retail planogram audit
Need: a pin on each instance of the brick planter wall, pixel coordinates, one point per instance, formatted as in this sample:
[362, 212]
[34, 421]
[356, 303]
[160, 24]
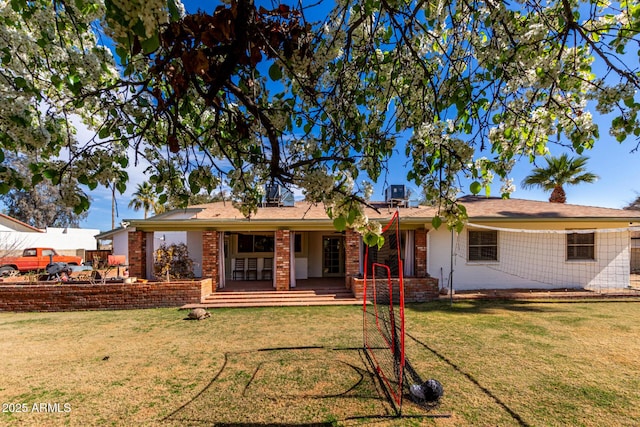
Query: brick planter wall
[416, 289]
[109, 296]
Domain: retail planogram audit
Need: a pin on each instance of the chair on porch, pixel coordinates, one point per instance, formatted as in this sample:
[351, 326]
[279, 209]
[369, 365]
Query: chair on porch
[267, 269]
[238, 269]
[252, 268]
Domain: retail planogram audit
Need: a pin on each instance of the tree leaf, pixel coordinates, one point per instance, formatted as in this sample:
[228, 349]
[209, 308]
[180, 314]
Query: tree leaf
[275, 72]
[436, 222]
[475, 187]
[151, 44]
[340, 223]
[370, 239]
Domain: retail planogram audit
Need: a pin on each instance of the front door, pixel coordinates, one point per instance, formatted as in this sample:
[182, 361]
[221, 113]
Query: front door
[333, 256]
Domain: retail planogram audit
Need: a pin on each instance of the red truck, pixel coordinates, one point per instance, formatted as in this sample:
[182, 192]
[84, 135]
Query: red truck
[34, 259]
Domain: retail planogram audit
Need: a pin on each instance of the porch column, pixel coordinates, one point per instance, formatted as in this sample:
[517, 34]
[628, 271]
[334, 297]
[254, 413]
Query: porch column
[137, 246]
[283, 263]
[421, 253]
[210, 256]
[351, 255]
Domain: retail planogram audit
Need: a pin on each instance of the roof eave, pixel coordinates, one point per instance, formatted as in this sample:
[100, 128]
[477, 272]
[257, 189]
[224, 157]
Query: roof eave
[554, 219]
[231, 225]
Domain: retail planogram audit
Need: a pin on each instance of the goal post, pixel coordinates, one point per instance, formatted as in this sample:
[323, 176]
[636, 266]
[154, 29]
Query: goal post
[383, 307]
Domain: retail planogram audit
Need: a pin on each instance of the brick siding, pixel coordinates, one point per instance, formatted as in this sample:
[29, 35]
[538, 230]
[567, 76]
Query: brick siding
[210, 256]
[137, 254]
[110, 296]
[283, 260]
[420, 253]
[351, 254]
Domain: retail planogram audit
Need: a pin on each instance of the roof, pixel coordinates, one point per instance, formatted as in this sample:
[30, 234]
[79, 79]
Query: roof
[496, 208]
[300, 211]
[308, 216]
[18, 225]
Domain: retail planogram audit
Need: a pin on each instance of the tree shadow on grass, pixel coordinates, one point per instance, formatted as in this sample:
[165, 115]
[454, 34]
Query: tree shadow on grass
[482, 306]
[302, 386]
[516, 417]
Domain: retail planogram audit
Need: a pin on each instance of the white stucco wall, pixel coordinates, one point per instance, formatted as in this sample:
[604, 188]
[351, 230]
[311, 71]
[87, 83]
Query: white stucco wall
[530, 260]
[193, 239]
[314, 248]
[120, 243]
[65, 240]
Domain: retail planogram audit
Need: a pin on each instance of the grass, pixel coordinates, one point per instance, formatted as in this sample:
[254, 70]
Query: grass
[501, 363]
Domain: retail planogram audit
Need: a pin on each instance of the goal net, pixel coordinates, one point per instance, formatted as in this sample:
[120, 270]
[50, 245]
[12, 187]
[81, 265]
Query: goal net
[383, 324]
[592, 259]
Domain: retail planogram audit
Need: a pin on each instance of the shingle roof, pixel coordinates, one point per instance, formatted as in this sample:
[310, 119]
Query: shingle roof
[304, 215]
[494, 207]
[300, 211]
[477, 207]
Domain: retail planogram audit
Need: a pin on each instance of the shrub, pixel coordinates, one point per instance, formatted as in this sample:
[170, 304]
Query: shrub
[172, 262]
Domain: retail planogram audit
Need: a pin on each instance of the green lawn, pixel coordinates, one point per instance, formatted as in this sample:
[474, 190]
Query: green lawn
[528, 364]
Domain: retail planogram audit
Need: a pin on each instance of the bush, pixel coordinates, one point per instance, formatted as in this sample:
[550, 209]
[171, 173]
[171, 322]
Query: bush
[172, 262]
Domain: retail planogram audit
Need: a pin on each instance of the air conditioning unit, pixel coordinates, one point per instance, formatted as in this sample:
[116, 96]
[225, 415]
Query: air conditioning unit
[272, 193]
[396, 195]
[277, 195]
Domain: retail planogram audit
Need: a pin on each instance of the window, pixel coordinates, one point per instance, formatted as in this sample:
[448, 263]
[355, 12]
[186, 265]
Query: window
[483, 245]
[581, 246]
[248, 243]
[298, 243]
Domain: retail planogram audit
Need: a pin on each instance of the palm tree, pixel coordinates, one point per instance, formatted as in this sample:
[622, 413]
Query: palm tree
[144, 198]
[560, 171]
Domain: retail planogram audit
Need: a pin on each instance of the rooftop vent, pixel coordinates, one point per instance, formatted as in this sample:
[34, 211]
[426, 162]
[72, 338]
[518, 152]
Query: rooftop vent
[277, 195]
[396, 195]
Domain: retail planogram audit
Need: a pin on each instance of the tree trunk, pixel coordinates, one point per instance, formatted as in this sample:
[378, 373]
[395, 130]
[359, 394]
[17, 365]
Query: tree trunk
[558, 195]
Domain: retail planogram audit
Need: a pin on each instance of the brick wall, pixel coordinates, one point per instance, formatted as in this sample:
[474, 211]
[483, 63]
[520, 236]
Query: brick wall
[283, 260]
[137, 254]
[416, 289]
[110, 296]
[210, 256]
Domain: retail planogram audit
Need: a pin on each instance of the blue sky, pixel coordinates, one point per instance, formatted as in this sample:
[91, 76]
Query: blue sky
[615, 163]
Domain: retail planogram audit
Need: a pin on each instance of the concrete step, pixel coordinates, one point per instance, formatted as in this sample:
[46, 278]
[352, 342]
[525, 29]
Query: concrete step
[313, 297]
[284, 295]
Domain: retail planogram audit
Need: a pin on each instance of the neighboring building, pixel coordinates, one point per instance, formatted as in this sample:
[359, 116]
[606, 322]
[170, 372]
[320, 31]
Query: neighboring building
[16, 235]
[582, 247]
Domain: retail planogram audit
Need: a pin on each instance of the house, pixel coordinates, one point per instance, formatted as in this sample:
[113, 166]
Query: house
[16, 235]
[508, 243]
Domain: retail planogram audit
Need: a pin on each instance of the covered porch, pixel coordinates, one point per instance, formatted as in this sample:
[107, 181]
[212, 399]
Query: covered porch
[302, 260]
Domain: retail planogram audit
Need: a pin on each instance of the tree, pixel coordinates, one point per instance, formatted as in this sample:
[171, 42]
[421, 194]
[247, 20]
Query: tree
[560, 171]
[145, 198]
[635, 205]
[41, 204]
[245, 95]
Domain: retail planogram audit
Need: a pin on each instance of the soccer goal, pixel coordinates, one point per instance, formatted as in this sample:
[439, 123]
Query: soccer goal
[384, 324]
